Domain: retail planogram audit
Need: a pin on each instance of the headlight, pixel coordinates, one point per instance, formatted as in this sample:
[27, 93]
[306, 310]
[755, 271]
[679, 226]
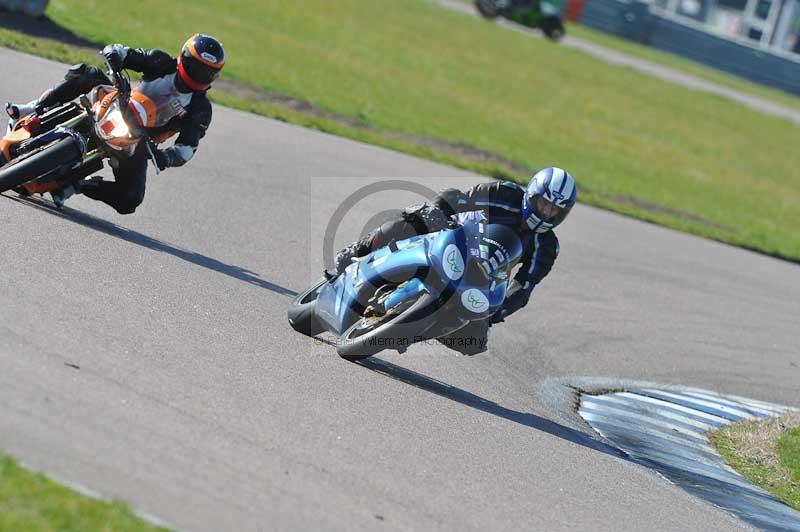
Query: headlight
[120, 127]
[113, 125]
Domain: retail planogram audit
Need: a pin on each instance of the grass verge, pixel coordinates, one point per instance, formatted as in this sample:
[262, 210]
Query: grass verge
[678, 63]
[32, 502]
[421, 79]
[767, 453]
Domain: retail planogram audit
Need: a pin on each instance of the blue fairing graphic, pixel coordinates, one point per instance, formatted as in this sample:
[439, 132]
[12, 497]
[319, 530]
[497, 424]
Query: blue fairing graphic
[464, 269]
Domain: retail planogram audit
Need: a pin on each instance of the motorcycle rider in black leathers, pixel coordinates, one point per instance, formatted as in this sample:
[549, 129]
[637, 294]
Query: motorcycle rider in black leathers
[531, 212]
[178, 84]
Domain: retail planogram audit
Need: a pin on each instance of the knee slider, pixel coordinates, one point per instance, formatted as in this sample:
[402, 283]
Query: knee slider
[130, 203]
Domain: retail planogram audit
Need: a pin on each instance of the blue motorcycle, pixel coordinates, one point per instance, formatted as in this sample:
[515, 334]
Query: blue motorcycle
[413, 290]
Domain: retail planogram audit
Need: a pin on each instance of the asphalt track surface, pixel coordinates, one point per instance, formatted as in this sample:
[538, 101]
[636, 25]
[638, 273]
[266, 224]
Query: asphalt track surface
[148, 357]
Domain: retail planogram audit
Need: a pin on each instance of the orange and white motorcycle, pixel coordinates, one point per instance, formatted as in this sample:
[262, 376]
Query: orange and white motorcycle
[69, 142]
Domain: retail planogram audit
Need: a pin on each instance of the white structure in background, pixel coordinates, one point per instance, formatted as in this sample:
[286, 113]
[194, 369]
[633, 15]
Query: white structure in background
[773, 24]
[34, 8]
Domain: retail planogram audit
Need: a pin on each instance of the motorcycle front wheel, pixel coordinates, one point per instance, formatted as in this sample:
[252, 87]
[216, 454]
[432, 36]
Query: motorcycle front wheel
[38, 162]
[394, 330]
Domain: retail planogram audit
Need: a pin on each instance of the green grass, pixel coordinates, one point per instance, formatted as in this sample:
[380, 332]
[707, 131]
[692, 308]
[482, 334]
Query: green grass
[33, 503]
[767, 453]
[678, 63]
[637, 145]
[45, 48]
[789, 452]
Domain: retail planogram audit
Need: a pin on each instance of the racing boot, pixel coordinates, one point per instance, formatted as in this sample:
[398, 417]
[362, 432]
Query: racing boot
[470, 340]
[417, 220]
[17, 111]
[359, 248]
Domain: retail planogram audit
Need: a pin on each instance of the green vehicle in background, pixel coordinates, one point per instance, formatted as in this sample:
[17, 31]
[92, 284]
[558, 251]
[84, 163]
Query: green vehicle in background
[540, 14]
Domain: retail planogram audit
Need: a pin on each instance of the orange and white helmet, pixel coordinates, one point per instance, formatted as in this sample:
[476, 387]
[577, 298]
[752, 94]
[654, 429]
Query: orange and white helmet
[200, 61]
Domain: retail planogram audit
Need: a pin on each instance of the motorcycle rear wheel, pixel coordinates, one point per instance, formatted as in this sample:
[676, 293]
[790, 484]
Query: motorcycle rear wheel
[38, 162]
[301, 311]
[487, 8]
[553, 28]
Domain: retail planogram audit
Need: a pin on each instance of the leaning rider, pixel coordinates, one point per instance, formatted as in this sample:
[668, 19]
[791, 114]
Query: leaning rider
[178, 84]
[532, 212]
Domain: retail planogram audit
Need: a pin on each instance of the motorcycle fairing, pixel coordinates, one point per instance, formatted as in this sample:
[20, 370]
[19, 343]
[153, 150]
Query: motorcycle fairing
[429, 263]
[341, 302]
[17, 135]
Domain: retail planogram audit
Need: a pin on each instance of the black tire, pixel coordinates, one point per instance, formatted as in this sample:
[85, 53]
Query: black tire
[38, 162]
[553, 28]
[359, 342]
[487, 9]
[301, 311]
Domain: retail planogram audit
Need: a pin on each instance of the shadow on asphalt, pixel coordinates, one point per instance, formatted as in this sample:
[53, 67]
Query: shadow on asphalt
[43, 27]
[470, 399]
[134, 237]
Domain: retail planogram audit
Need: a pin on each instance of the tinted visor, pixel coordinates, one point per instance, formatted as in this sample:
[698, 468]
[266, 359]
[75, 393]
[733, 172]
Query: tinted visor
[199, 72]
[548, 212]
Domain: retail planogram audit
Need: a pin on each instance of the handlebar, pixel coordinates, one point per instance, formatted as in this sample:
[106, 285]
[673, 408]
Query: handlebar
[151, 151]
[119, 80]
[123, 86]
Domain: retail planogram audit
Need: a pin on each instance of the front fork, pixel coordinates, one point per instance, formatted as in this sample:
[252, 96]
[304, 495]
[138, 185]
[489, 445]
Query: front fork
[91, 158]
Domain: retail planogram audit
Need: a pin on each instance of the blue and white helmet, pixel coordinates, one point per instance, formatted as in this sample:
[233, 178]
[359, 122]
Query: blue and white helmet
[550, 196]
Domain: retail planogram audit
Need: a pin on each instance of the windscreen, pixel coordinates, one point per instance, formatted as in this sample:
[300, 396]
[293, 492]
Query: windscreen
[499, 249]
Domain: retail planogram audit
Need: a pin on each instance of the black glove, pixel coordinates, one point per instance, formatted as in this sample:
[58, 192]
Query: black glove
[515, 300]
[163, 159]
[114, 56]
[497, 317]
